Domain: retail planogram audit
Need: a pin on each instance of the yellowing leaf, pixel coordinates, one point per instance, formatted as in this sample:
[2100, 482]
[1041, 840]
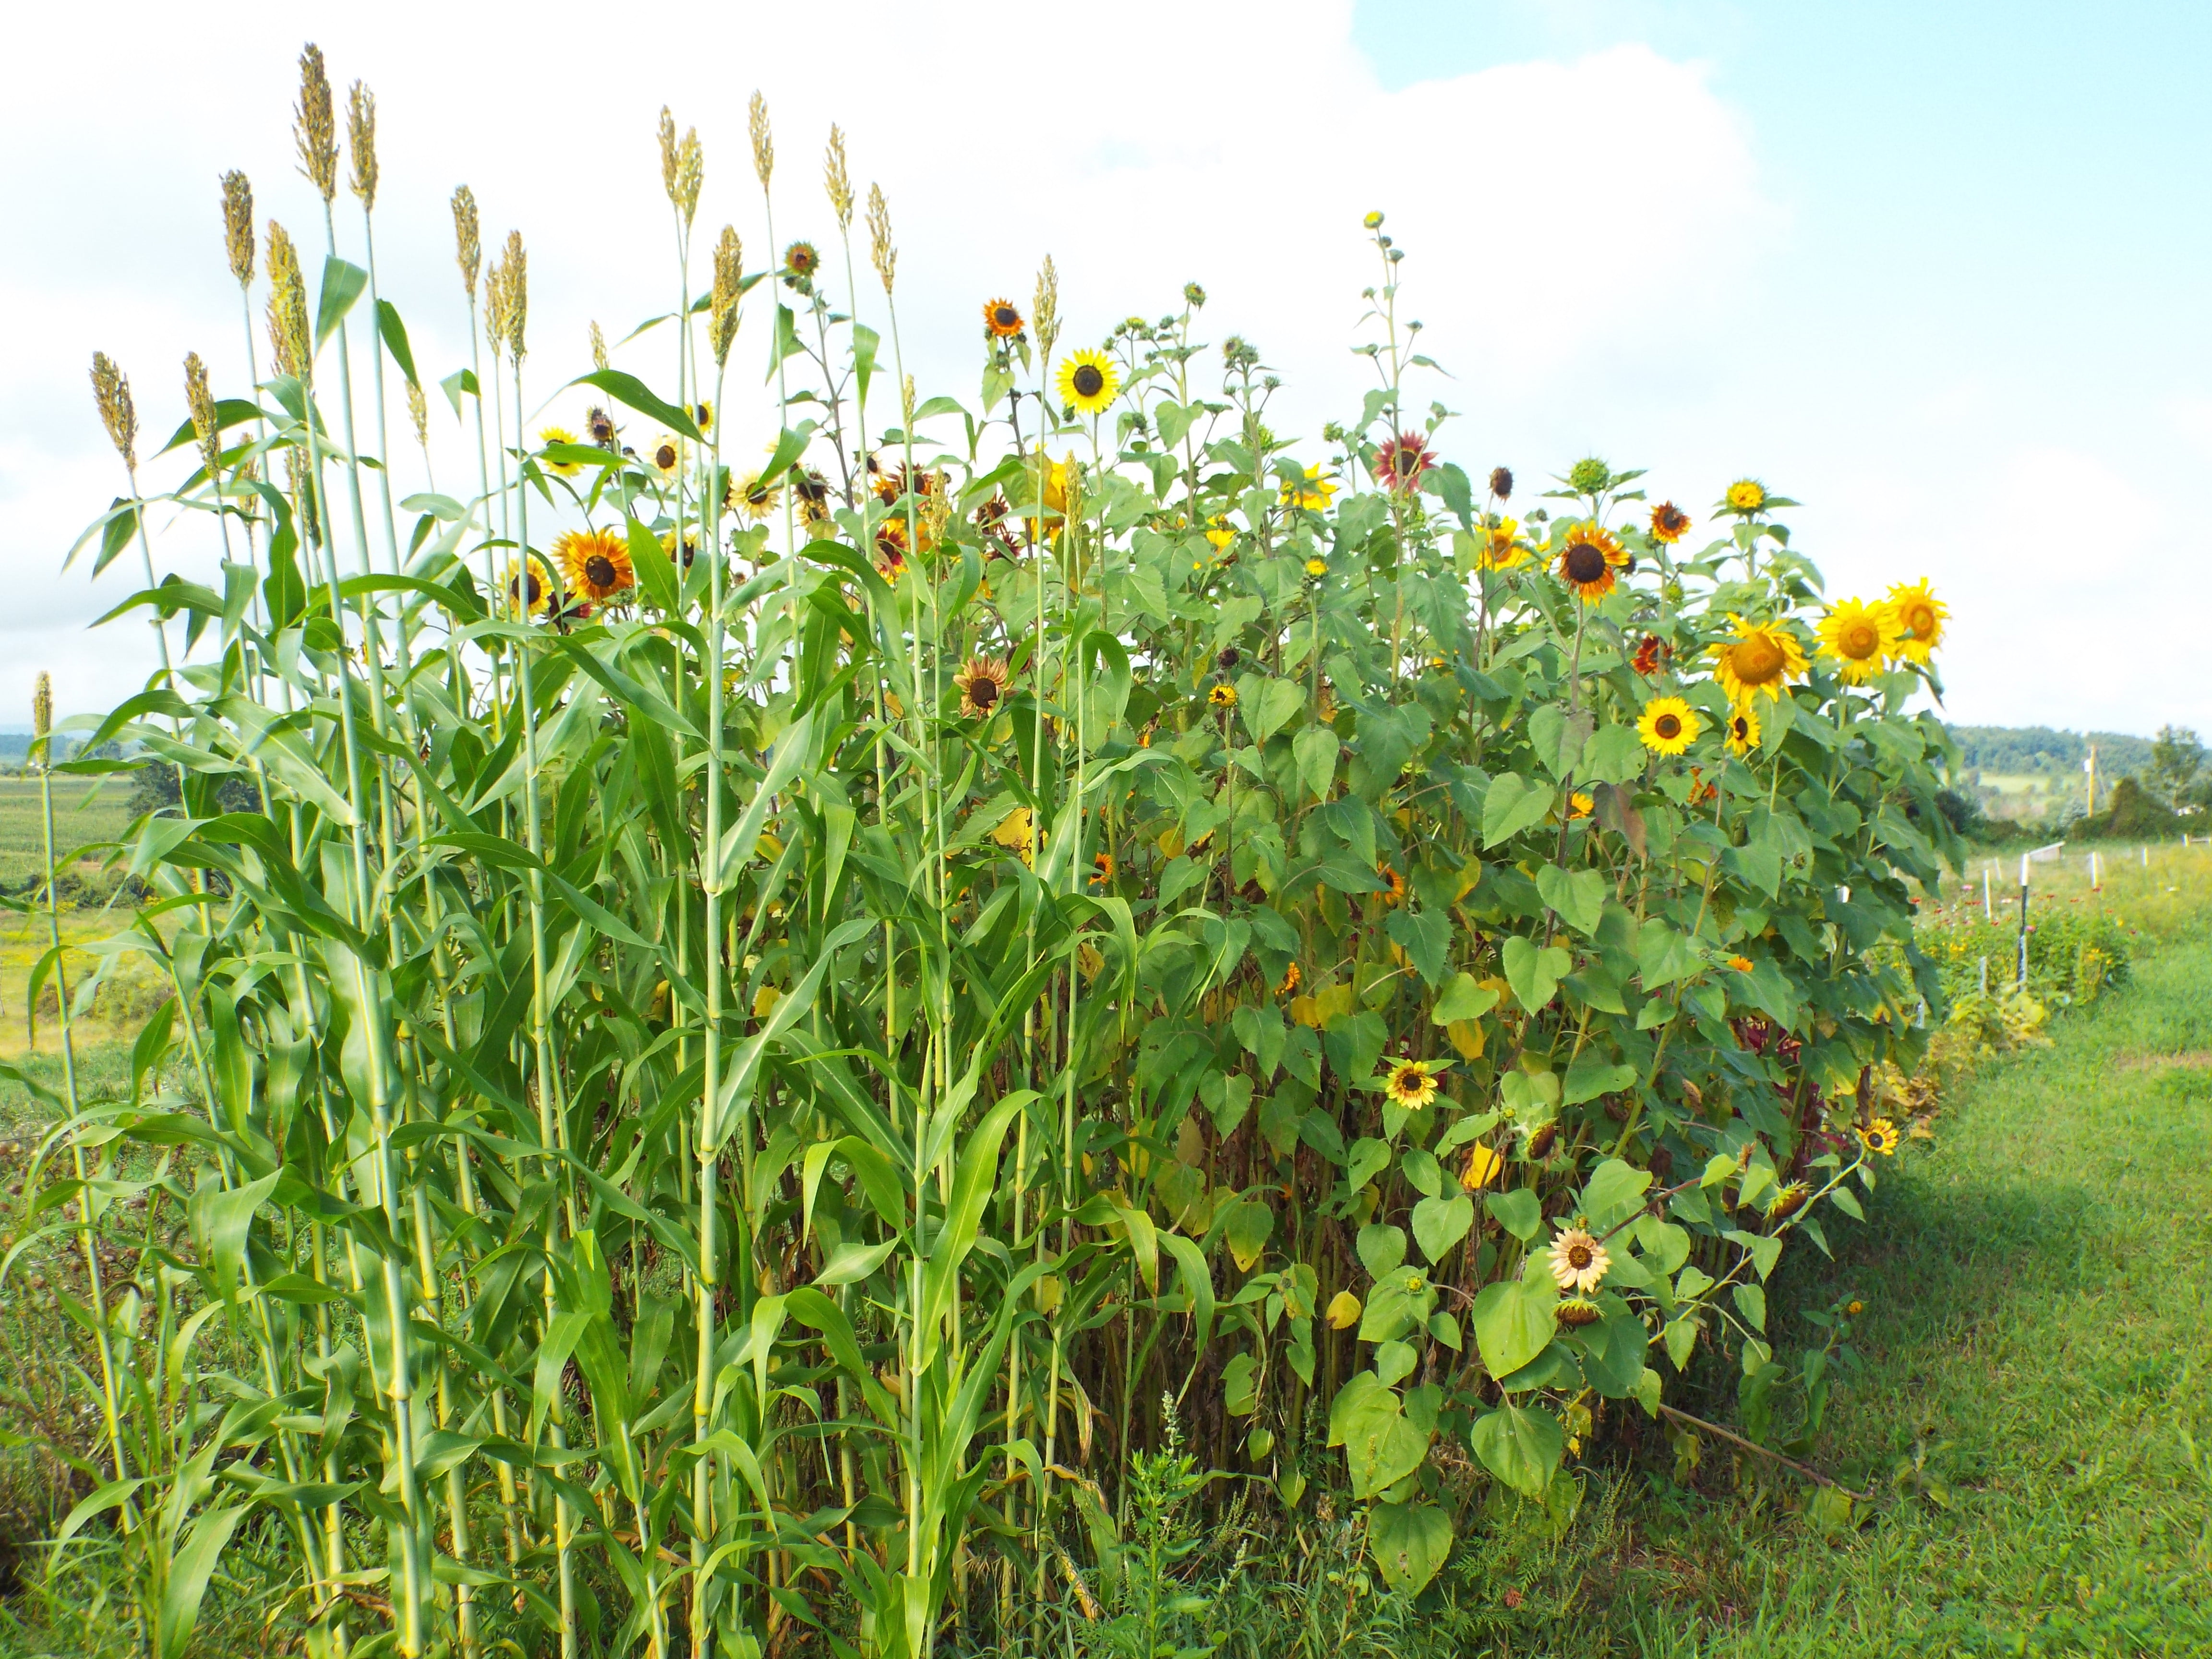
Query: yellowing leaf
[1465, 1037]
[764, 1001]
[1170, 841]
[1344, 1310]
[1306, 1011]
[1016, 832]
[1482, 1167]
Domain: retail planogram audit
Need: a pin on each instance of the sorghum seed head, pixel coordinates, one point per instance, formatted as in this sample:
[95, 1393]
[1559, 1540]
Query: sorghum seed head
[112, 392]
[835, 179]
[237, 225]
[599, 350]
[880, 250]
[42, 707]
[763, 141]
[361, 141]
[206, 427]
[729, 268]
[315, 127]
[517, 265]
[468, 244]
[1044, 307]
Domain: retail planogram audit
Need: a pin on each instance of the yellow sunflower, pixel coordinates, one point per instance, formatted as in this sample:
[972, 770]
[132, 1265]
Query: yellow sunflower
[1087, 382]
[530, 593]
[982, 685]
[753, 497]
[1220, 532]
[1578, 1262]
[1410, 1085]
[1502, 547]
[1222, 696]
[1317, 568]
[1580, 804]
[1102, 869]
[1859, 639]
[1741, 964]
[1880, 1136]
[1742, 730]
[550, 435]
[1000, 319]
[1314, 494]
[1669, 524]
[1669, 725]
[596, 563]
[1920, 617]
[1393, 886]
[1591, 554]
[664, 456]
[811, 491]
[703, 416]
[1761, 660]
[1746, 496]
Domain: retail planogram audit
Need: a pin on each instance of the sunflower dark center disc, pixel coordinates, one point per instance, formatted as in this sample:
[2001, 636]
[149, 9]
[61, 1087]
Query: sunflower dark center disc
[1087, 382]
[1667, 726]
[1579, 1257]
[1006, 316]
[1861, 641]
[983, 693]
[1585, 563]
[1756, 661]
[664, 456]
[599, 570]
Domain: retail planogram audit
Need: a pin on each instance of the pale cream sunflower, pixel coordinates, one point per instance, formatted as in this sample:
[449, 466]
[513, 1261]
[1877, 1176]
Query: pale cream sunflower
[1578, 1262]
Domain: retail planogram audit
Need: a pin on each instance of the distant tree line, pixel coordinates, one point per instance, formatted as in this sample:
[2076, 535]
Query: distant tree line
[2011, 750]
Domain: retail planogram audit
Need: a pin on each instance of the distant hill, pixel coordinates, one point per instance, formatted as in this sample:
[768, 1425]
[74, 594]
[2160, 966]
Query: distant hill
[2011, 750]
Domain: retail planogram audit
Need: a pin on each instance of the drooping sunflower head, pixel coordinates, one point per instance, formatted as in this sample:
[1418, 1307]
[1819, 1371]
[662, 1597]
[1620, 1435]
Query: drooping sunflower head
[1393, 886]
[1759, 661]
[1575, 1311]
[1400, 463]
[1409, 1084]
[595, 562]
[1222, 696]
[529, 588]
[1578, 1261]
[1500, 547]
[1580, 804]
[1088, 381]
[1668, 725]
[1001, 321]
[1920, 618]
[600, 427]
[1314, 494]
[1880, 1136]
[665, 455]
[810, 490]
[1501, 482]
[1588, 559]
[1788, 1200]
[1669, 524]
[1859, 638]
[982, 686]
[754, 496]
[1742, 730]
[547, 437]
[1745, 496]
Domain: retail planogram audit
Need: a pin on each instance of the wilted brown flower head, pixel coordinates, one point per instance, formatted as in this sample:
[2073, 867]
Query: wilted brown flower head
[314, 126]
[1501, 482]
[237, 225]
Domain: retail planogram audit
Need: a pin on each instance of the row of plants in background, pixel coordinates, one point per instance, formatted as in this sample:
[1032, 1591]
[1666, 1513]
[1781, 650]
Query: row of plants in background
[765, 1024]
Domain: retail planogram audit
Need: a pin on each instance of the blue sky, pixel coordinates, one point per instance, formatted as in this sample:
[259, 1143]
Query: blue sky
[1931, 270]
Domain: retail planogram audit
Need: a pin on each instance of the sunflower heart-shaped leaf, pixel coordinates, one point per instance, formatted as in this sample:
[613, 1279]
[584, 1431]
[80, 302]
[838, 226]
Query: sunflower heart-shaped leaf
[1316, 748]
[1614, 1192]
[1248, 1230]
[1613, 755]
[1513, 1320]
[1558, 737]
[1521, 1446]
[1441, 1223]
[1409, 1542]
[1578, 896]
[1240, 1380]
[1266, 706]
[1422, 1171]
[1751, 1303]
[1382, 1249]
[1758, 863]
[1594, 1075]
[1425, 937]
[1513, 804]
[1463, 998]
[1534, 971]
[1520, 1212]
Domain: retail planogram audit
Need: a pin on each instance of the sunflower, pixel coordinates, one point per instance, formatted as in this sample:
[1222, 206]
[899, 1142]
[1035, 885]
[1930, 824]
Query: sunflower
[703, 416]
[1588, 560]
[1669, 524]
[1410, 1085]
[1859, 639]
[1742, 730]
[801, 262]
[1647, 655]
[1317, 568]
[665, 455]
[1000, 320]
[1788, 1201]
[1577, 1260]
[1393, 886]
[982, 685]
[1314, 494]
[547, 437]
[753, 497]
[1290, 981]
[1668, 725]
[1222, 696]
[685, 553]
[600, 427]
[1920, 616]
[1400, 463]
[1580, 803]
[890, 548]
[596, 562]
[1575, 1311]
[1102, 869]
[531, 593]
[1501, 482]
[1746, 496]
[1542, 1140]
[1220, 531]
[1741, 964]
[1762, 658]
[1501, 547]
[810, 490]
[1880, 1136]
[1087, 382]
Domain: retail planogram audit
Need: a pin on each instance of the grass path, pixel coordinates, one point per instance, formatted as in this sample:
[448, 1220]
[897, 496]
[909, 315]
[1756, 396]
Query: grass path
[2039, 1335]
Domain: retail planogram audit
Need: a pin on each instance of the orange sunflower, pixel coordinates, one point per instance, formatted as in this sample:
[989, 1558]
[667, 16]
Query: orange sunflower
[596, 563]
[1591, 555]
[1001, 320]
